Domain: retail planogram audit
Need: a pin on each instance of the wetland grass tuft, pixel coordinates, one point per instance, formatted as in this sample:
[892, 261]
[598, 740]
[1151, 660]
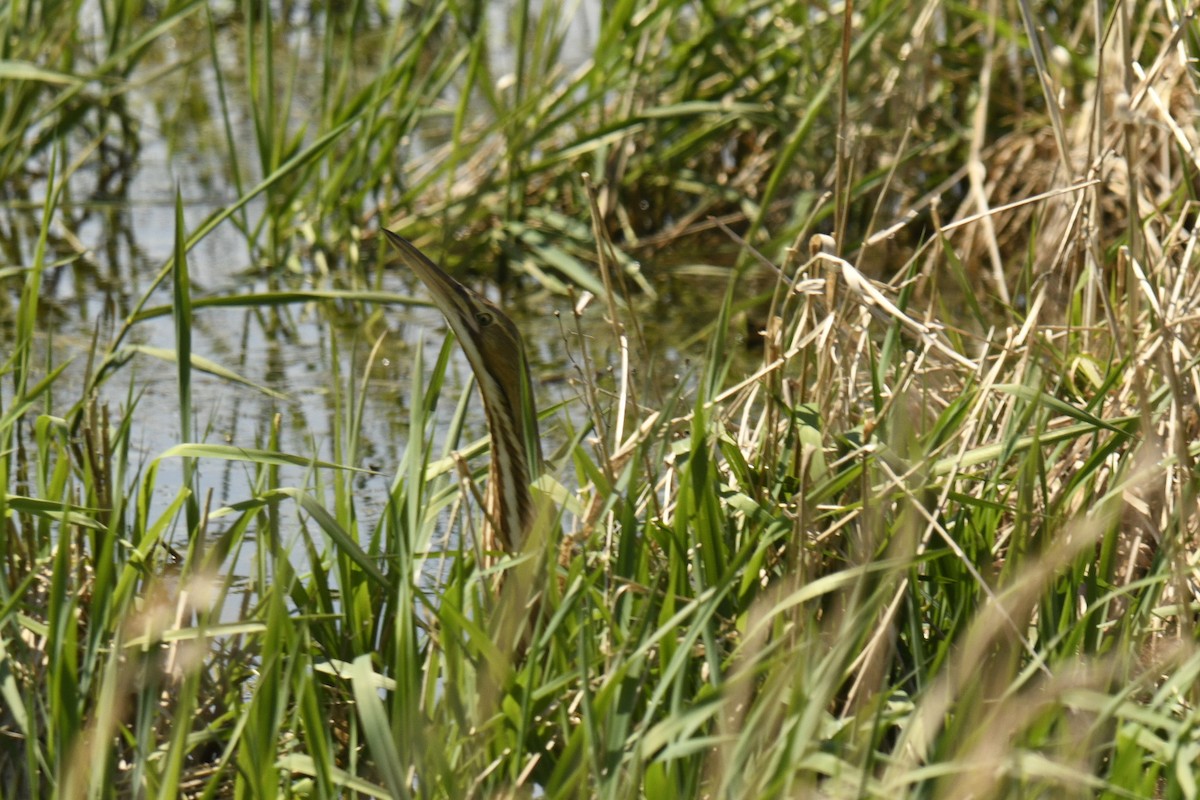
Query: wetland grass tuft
[945, 547]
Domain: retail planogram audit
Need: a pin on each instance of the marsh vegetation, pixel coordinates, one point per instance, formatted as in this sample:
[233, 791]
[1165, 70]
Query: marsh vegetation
[865, 338]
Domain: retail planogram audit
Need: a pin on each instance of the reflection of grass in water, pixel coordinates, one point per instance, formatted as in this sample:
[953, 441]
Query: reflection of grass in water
[861, 569]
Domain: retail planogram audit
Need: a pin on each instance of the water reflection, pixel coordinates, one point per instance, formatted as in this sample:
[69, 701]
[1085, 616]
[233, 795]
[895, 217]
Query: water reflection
[114, 229]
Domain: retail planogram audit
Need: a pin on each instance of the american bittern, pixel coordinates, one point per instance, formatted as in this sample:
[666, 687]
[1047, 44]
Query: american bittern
[496, 353]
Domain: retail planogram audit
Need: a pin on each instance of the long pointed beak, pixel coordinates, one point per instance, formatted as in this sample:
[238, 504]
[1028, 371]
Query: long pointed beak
[448, 294]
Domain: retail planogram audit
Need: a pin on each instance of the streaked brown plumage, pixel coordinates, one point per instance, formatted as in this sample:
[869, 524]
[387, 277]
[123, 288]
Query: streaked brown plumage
[496, 353]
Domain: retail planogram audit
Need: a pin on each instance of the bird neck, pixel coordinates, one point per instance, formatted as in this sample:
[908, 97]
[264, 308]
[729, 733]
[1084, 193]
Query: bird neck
[509, 511]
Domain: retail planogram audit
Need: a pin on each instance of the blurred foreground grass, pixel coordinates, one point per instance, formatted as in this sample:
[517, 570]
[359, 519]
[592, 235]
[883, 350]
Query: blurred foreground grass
[946, 556]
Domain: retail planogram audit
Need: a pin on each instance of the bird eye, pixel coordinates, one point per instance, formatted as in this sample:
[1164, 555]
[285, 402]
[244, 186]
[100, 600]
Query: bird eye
[484, 318]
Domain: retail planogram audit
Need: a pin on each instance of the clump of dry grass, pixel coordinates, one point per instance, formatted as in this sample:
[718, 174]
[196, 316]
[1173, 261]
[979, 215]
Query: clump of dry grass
[941, 541]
